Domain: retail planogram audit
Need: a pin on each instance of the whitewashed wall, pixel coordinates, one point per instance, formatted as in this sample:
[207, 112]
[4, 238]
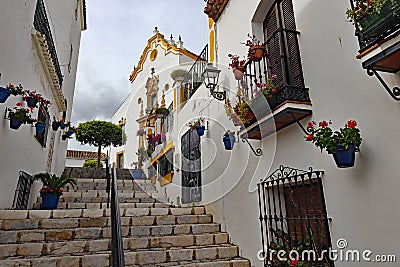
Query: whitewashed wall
[20, 64]
[362, 201]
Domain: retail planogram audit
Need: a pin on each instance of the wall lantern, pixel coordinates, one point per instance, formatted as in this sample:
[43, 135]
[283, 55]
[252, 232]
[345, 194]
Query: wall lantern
[210, 77]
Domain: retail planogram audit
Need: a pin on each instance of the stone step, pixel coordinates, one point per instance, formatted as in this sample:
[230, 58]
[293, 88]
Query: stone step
[132, 259]
[95, 213]
[181, 238]
[64, 205]
[132, 226]
[145, 256]
[103, 193]
[142, 198]
[95, 186]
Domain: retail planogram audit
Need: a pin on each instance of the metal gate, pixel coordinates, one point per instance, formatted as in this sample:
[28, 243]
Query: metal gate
[293, 217]
[191, 167]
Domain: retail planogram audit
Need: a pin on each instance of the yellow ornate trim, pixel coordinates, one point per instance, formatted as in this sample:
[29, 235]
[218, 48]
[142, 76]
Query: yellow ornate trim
[158, 38]
[169, 146]
[167, 179]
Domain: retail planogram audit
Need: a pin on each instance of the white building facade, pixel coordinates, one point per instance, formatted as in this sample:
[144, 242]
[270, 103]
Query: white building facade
[40, 52]
[312, 50]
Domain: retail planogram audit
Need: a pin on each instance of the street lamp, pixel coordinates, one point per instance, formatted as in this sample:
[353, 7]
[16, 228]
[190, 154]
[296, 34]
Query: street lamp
[210, 77]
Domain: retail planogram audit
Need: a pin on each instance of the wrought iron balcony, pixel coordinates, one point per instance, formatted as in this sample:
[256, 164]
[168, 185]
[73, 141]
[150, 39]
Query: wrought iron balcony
[41, 24]
[379, 40]
[292, 102]
[193, 78]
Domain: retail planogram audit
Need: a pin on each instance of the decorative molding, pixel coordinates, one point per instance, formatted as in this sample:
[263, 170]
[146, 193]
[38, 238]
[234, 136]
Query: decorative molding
[83, 15]
[215, 8]
[40, 44]
[78, 154]
[159, 40]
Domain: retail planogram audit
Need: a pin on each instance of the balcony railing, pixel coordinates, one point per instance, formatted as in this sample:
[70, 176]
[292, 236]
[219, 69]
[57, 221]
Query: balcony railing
[169, 120]
[193, 78]
[374, 28]
[41, 24]
[286, 106]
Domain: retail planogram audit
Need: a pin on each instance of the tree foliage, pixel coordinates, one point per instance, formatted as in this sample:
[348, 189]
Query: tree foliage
[100, 134]
[91, 163]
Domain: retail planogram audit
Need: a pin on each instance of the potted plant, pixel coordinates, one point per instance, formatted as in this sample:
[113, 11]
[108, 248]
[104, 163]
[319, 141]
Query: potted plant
[161, 112]
[10, 89]
[178, 74]
[32, 99]
[55, 124]
[256, 49]
[374, 17]
[63, 124]
[19, 115]
[71, 131]
[52, 188]
[198, 125]
[40, 126]
[341, 144]
[229, 140]
[238, 66]
[264, 92]
[64, 137]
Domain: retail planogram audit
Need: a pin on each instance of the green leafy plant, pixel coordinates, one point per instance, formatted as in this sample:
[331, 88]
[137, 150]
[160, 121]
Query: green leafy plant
[16, 90]
[178, 73]
[363, 8]
[91, 163]
[53, 183]
[195, 123]
[162, 112]
[229, 133]
[324, 137]
[32, 94]
[100, 134]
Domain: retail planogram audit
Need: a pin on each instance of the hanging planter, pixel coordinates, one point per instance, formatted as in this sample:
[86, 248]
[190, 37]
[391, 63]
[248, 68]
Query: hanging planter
[229, 140]
[200, 129]
[344, 158]
[70, 132]
[62, 126]
[40, 127]
[238, 72]
[161, 113]
[257, 52]
[15, 123]
[55, 125]
[31, 102]
[4, 94]
[341, 144]
[64, 137]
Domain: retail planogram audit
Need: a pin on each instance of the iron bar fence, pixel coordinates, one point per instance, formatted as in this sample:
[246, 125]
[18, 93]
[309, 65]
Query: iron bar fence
[193, 78]
[293, 216]
[169, 120]
[41, 24]
[117, 249]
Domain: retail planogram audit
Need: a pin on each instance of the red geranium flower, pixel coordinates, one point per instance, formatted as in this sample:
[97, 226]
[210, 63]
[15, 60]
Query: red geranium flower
[351, 124]
[19, 104]
[323, 124]
[309, 137]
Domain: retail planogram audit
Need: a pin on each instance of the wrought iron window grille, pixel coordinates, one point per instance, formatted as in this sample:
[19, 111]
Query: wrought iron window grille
[292, 214]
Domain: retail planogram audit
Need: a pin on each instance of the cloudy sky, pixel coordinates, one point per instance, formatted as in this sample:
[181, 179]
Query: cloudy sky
[117, 33]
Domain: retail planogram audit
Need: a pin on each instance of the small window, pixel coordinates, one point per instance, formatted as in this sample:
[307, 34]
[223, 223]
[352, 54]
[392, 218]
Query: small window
[43, 116]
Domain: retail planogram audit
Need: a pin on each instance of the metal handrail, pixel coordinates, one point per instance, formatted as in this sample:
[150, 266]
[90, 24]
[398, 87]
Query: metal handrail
[117, 249]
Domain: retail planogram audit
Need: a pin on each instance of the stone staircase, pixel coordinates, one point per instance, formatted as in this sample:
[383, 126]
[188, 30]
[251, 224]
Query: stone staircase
[78, 232]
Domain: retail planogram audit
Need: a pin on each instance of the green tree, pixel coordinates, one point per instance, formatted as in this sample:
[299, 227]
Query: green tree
[91, 163]
[100, 134]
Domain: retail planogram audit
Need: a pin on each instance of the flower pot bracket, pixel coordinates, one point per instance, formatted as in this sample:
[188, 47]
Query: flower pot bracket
[394, 92]
[258, 152]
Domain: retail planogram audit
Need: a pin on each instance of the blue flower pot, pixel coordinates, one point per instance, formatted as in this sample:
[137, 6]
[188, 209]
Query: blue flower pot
[31, 102]
[15, 123]
[62, 126]
[229, 141]
[49, 201]
[64, 137]
[200, 130]
[344, 158]
[4, 94]
[55, 127]
[40, 127]
[70, 132]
